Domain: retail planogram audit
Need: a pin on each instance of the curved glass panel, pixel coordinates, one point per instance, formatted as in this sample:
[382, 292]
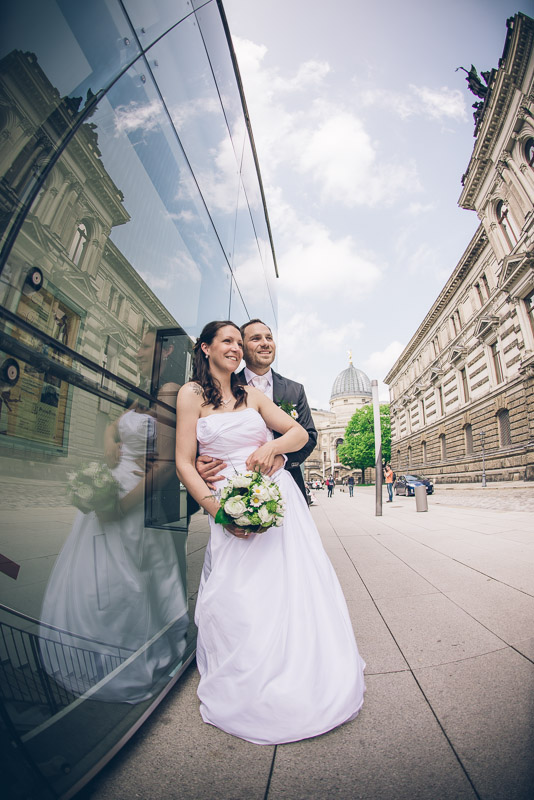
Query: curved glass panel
[52, 66]
[127, 223]
[151, 20]
[195, 108]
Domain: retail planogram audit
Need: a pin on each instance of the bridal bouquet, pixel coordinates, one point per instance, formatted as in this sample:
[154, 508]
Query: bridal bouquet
[251, 502]
[93, 488]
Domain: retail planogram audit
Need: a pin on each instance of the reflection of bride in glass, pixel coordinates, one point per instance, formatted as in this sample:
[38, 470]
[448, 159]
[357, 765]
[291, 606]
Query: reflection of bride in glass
[116, 586]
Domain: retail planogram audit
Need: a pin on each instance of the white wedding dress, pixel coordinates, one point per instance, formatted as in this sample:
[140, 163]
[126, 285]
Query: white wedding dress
[276, 652]
[116, 589]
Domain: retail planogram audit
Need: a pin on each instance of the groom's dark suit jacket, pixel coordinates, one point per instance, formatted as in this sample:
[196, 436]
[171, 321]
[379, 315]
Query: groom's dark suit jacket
[286, 391]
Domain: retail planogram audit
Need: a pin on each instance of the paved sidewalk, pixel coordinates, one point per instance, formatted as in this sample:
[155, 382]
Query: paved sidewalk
[443, 609]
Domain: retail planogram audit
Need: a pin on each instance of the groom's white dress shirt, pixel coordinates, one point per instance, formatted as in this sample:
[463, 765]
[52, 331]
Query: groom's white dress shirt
[262, 382]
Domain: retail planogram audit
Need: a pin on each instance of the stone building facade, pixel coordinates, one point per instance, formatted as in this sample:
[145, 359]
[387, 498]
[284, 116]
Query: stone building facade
[350, 391]
[462, 396]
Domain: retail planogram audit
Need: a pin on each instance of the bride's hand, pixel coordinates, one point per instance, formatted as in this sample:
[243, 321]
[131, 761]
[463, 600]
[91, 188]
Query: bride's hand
[239, 533]
[262, 459]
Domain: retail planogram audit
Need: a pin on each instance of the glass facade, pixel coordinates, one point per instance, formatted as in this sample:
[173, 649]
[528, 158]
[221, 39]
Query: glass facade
[131, 213]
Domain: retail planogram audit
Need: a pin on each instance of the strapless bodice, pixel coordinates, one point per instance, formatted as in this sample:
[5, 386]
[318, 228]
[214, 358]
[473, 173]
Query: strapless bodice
[136, 432]
[231, 436]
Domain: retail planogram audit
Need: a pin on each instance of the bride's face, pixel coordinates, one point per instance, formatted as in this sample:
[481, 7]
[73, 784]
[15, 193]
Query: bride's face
[226, 350]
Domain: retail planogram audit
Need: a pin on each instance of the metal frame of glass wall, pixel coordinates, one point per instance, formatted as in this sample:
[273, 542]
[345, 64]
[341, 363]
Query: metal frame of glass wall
[131, 213]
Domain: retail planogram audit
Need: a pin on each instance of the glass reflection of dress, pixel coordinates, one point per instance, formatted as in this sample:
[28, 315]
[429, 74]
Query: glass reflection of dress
[118, 583]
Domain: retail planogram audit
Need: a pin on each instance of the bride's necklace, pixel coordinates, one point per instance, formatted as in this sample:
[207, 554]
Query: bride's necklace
[227, 402]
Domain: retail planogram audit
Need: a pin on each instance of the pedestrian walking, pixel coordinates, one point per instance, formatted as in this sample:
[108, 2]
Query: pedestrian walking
[389, 477]
[330, 486]
[350, 483]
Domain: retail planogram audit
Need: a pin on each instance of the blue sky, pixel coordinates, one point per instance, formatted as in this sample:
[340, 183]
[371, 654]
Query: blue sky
[363, 130]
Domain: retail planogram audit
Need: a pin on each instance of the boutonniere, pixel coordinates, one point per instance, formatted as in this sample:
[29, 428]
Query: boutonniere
[289, 408]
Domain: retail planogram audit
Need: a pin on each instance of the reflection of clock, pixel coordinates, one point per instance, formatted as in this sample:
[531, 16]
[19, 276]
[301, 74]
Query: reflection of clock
[529, 151]
[9, 372]
[34, 278]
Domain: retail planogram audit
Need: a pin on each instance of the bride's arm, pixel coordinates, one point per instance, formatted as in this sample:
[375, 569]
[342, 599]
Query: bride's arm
[293, 437]
[187, 414]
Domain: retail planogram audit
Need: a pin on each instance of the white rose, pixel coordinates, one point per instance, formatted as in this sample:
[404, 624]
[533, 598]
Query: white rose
[261, 491]
[242, 521]
[242, 481]
[265, 516]
[85, 493]
[92, 470]
[274, 492]
[235, 507]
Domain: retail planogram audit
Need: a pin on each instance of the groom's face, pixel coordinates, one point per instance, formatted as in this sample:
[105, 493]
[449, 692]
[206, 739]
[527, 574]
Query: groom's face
[259, 348]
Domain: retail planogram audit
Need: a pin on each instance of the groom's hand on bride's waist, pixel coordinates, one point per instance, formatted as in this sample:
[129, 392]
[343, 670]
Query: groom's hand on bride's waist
[209, 468]
[279, 462]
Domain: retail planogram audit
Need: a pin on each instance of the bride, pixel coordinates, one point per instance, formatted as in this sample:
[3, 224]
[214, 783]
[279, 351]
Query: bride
[276, 652]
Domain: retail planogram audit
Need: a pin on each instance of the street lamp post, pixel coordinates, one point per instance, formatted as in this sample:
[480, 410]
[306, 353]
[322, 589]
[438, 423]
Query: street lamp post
[482, 435]
[378, 449]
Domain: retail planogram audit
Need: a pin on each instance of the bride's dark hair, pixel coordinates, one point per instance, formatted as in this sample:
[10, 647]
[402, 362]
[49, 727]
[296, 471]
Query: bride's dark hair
[201, 368]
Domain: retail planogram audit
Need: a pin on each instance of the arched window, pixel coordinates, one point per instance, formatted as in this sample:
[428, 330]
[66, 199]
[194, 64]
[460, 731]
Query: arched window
[505, 434]
[443, 446]
[505, 223]
[338, 443]
[79, 243]
[409, 455]
[468, 434]
[423, 452]
[529, 152]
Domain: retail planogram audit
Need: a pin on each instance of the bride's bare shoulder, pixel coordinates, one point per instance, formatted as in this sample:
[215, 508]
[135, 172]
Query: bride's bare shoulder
[191, 392]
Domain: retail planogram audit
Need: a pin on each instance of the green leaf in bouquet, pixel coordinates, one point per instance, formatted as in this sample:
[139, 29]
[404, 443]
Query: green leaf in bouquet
[222, 518]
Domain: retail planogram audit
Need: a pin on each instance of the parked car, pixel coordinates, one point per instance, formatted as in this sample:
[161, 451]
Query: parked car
[405, 484]
[317, 485]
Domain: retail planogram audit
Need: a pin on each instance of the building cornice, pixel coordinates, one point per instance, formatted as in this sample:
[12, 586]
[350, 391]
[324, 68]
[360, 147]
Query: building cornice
[473, 252]
[508, 78]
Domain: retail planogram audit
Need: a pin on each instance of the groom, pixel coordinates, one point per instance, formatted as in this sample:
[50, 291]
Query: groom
[259, 351]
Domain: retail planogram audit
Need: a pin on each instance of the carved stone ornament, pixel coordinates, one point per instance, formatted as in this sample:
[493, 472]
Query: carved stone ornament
[526, 366]
[501, 403]
[435, 373]
[486, 326]
[458, 352]
[514, 268]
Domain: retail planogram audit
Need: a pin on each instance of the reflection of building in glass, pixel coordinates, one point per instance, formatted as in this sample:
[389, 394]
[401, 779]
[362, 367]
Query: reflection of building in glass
[351, 390]
[131, 212]
[464, 383]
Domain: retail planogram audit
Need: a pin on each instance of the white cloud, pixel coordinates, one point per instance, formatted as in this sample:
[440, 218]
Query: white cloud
[437, 104]
[441, 103]
[416, 209]
[297, 130]
[326, 267]
[307, 340]
[136, 116]
[378, 364]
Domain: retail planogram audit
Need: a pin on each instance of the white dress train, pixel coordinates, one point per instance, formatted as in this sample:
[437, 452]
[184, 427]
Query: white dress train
[276, 651]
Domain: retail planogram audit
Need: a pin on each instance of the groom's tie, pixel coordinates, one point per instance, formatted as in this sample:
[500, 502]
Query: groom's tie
[261, 383]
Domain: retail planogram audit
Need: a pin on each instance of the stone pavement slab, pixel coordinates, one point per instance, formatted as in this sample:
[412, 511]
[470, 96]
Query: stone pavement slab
[443, 610]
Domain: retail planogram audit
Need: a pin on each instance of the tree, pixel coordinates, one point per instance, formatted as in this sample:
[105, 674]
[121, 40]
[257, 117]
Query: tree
[358, 448]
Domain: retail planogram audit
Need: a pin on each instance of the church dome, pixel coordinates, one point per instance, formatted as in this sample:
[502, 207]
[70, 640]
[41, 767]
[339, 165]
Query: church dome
[351, 382]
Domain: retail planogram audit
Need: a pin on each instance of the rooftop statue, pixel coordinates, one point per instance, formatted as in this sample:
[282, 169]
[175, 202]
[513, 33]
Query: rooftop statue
[474, 83]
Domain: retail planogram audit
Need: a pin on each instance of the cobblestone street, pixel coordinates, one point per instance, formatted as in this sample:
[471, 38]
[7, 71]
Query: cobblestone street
[496, 497]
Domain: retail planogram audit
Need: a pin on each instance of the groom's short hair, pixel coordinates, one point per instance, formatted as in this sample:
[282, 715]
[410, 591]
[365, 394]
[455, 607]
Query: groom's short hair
[252, 322]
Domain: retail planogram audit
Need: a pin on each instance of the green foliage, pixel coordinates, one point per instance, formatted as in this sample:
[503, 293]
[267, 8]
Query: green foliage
[358, 448]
